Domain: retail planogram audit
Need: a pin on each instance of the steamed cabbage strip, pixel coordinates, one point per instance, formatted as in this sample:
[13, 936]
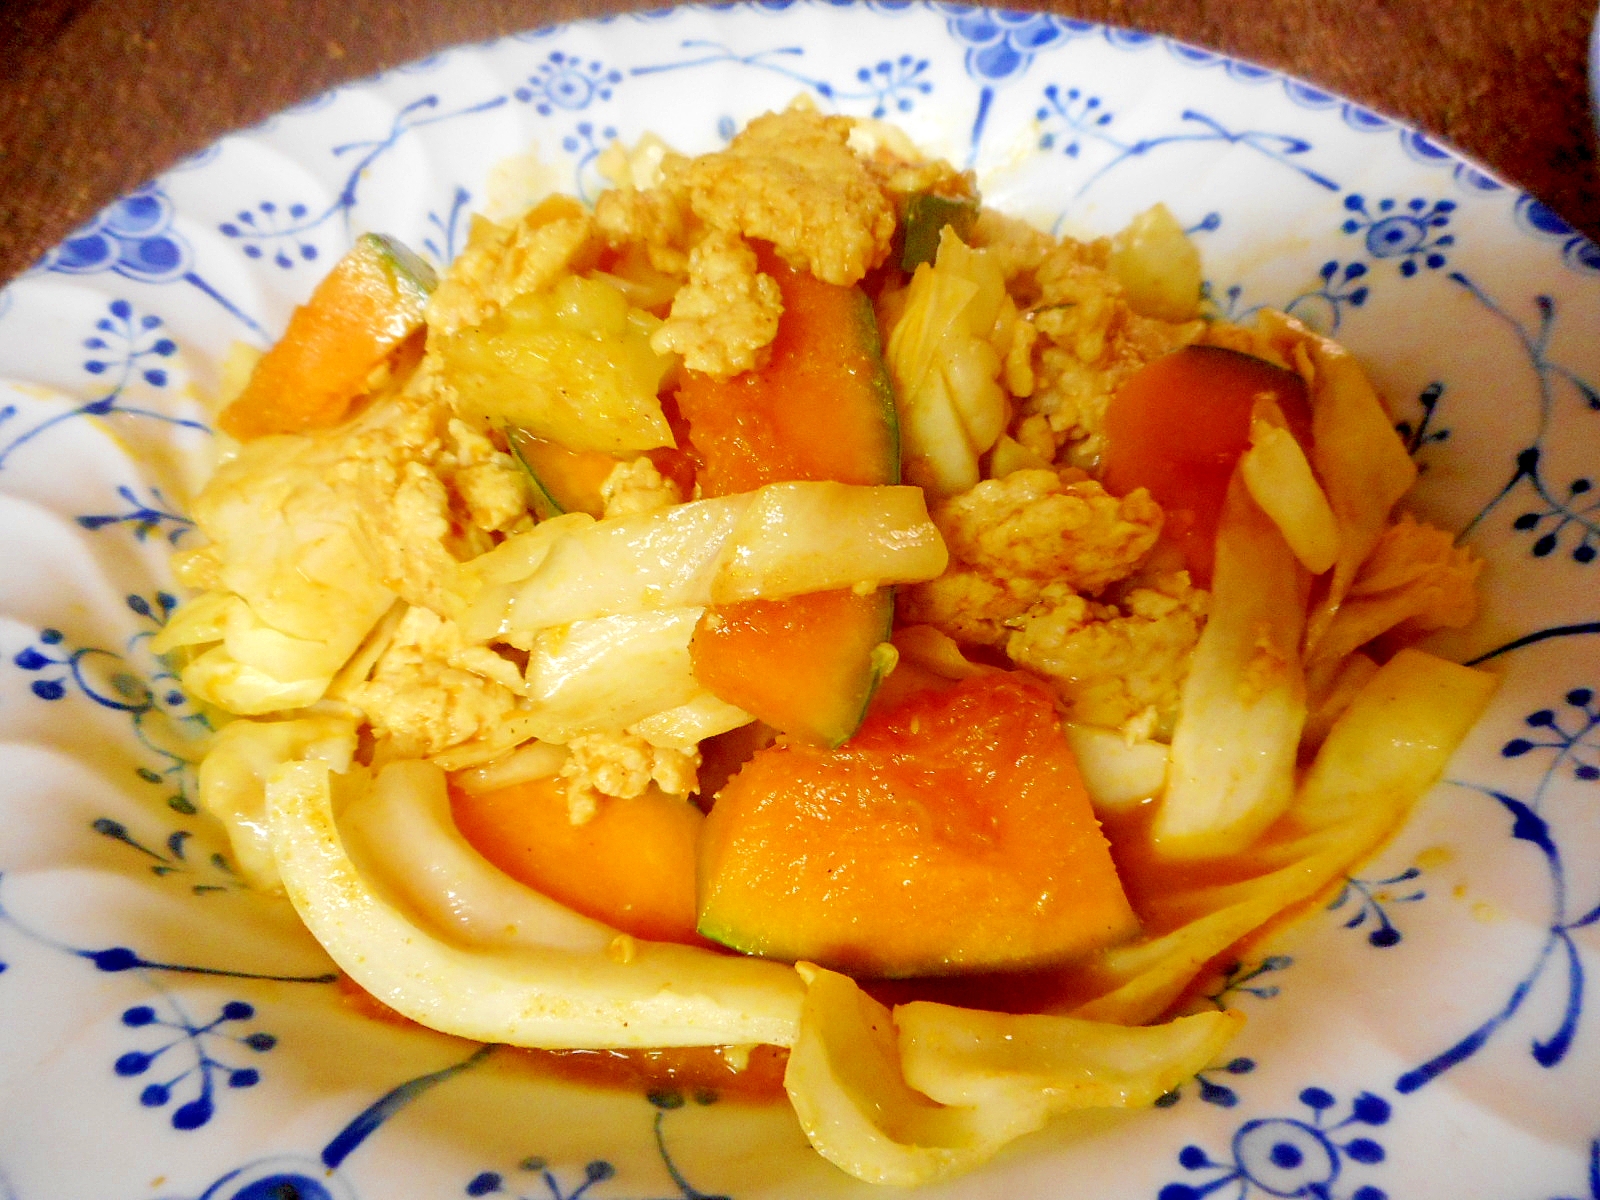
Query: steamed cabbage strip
[945, 353]
[233, 779]
[629, 993]
[781, 540]
[1243, 703]
[855, 1072]
[1361, 461]
[1387, 748]
[1416, 579]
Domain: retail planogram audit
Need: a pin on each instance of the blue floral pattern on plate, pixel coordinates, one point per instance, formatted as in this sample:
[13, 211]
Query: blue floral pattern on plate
[150, 1003]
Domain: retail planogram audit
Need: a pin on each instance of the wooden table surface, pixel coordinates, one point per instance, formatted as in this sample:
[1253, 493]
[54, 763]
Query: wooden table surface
[98, 95]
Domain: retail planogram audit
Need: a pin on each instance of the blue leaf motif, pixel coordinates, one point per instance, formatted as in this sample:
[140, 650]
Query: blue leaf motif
[1527, 825]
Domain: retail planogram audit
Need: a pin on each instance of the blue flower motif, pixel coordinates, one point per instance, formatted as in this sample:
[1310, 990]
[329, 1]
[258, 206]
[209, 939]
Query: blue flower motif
[133, 238]
[1308, 95]
[145, 518]
[1423, 149]
[497, 1183]
[275, 1186]
[1409, 234]
[173, 859]
[1572, 736]
[279, 1178]
[1538, 218]
[585, 144]
[1569, 742]
[1286, 1156]
[265, 224]
[1576, 511]
[282, 233]
[489, 1183]
[192, 1049]
[450, 228]
[896, 80]
[566, 82]
[1001, 46]
[1341, 286]
[1364, 120]
[126, 349]
[1557, 516]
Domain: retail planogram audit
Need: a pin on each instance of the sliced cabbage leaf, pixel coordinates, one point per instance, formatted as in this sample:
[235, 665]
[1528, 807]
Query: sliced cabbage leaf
[856, 1108]
[781, 540]
[571, 364]
[1157, 266]
[685, 727]
[609, 672]
[1329, 691]
[796, 538]
[1243, 703]
[400, 832]
[629, 994]
[625, 672]
[1394, 740]
[294, 592]
[286, 543]
[241, 664]
[1281, 482]
[1119, 773]
[233, 780]
[930, 1090]
[529, 761]
[945, 354]
[1391, 744]
[966, 1056]
[1415, 580]
[1140, 981]
[1359, 458]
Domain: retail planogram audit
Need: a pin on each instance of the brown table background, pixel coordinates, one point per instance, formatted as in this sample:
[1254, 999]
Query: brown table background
[98, 95]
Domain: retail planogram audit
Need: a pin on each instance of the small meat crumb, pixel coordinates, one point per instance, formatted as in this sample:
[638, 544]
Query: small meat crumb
[623, 765]
[430, 691]
[501, 262]
[1045, 525]
[487, 479]
[651, 211]
[726, 315]
[1120, 665]
[637, 487]
[790, 178]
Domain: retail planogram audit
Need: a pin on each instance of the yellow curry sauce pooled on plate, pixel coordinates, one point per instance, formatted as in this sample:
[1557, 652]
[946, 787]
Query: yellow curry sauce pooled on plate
[735, 615]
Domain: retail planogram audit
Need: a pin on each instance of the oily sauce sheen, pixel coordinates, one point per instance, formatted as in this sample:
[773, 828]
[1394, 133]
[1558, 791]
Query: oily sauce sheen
[754, 1073]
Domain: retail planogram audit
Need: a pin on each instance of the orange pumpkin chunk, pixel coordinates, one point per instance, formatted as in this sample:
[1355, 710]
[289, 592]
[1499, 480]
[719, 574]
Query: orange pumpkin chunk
[564, 480]
[1178, 425]
[631, 865]
[820, 409]
[362, 311]
[953, 833]
[796, 664]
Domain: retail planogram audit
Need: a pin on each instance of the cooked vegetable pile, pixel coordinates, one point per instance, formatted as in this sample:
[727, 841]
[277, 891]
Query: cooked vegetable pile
[790, 586]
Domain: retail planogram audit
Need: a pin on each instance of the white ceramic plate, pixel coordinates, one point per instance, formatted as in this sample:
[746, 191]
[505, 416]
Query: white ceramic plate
[1428, 1032]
